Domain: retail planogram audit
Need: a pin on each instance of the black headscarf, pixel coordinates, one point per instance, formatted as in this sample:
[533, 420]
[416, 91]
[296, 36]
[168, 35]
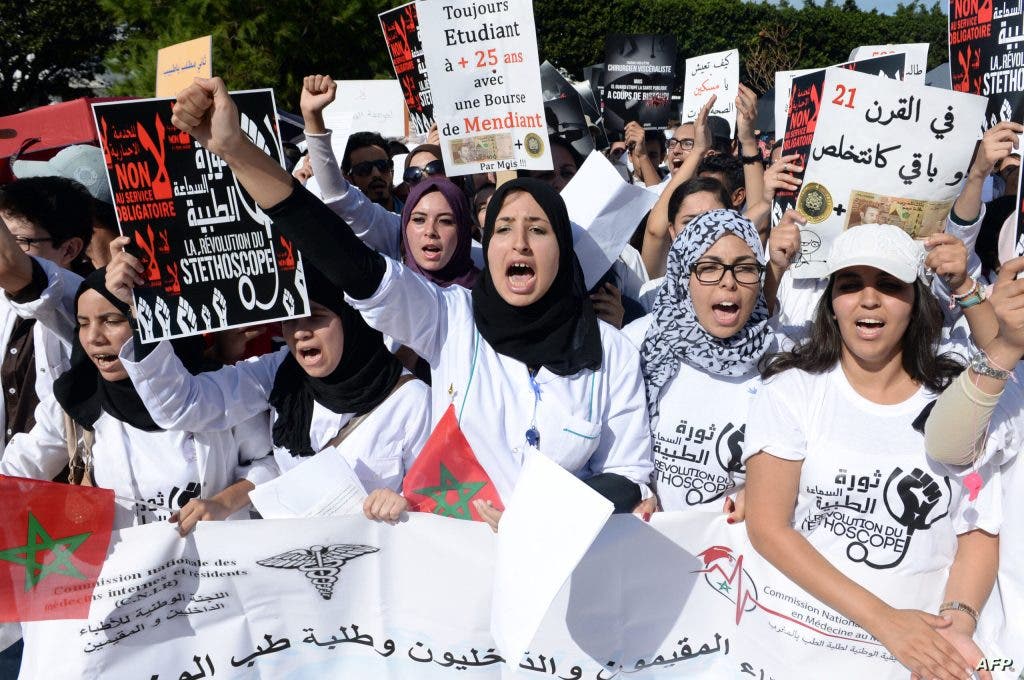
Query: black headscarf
[559, 331]
[363, 379]
[84, 394]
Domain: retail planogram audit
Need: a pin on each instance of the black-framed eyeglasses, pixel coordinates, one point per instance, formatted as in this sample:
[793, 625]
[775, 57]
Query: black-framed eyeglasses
[713, 272]
[26, 243]
[365, 168]
[414, 174]
[684, 144]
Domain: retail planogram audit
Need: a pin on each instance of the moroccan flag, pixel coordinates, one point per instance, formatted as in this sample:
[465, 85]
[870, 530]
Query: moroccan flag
[53, 540]
[446, 477]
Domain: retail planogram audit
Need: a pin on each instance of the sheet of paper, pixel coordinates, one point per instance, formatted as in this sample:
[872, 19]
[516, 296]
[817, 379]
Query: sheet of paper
[339, 122]
[539, 546]
[605, 211]
[323, 486]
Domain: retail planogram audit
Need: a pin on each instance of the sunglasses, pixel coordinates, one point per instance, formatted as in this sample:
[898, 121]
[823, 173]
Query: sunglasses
[365, 168]
[414, 174]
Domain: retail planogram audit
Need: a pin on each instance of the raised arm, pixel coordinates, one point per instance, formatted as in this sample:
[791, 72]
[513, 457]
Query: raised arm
[753, 171]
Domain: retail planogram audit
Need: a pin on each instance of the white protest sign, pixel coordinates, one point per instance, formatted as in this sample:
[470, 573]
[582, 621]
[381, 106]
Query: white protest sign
[344, 597]
[374, 106]
[783, 84]
[712, 74]
[883, 151]
[485, 81]
[917, 58]
[604, 210]
[322, 485]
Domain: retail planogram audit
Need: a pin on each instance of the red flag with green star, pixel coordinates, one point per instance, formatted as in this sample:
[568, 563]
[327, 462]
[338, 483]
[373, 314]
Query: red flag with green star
[446, 477]
[53, 540]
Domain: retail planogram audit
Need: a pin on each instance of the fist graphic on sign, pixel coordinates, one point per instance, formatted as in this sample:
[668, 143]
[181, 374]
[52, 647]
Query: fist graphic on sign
[145, 316]
[186, 317]
[220, 305]
[289, 302]
[163, 316]
[207, 319]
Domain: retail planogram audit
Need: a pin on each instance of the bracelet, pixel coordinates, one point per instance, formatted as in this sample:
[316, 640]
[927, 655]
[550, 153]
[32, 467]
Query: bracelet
[957, 606]
[749, 160]
[998, 367]
[970, 301]
[972, 291]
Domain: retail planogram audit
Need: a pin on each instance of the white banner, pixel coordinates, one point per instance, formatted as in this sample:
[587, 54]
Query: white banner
[709, 74]
[917, 58]
[883, 151]
[485, 80]
[350, 598]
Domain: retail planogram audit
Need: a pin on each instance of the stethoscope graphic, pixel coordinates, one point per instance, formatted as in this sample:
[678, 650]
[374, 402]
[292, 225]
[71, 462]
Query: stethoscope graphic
[915, 513]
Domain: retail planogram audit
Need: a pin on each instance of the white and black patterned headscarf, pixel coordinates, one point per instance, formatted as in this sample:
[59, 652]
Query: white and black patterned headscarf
[675, 334]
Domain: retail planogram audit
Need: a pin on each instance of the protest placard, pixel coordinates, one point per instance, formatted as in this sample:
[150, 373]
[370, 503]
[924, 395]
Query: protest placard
[783, 83]
[213, 258]
[401, 30]
[640, 72]
[345, 597]
[485, 77]
[177, 65]
[368, 105]
[916, 55]
[881, 151]
[712, 74]
[804, 94]
[564, 110]
[985, 56]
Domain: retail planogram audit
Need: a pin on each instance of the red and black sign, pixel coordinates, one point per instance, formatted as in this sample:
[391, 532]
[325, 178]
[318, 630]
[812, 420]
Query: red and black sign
[985, 55]
[401, 30]
[213, 258]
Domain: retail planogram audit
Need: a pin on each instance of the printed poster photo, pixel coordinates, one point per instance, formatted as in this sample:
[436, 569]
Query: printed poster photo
[213, 258]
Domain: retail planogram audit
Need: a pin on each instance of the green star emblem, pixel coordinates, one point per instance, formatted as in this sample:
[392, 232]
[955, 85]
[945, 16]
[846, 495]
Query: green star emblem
[38, 542]
[724, 586]
[464, 491]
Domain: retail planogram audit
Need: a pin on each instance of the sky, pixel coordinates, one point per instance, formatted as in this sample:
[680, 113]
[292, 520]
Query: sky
[883, 6]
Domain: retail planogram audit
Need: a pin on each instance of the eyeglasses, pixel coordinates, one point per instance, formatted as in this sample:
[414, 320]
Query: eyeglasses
[713, 272]
[684, 144]
[547, 176]
[414, 174]
[26, 243]
[365, 168]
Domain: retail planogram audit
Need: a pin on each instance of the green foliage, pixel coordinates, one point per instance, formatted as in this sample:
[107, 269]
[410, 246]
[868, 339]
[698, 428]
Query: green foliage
[256, 43]
[50, 48]
[571, 32]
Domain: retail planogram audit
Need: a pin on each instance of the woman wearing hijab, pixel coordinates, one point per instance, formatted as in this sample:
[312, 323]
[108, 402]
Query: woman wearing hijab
[335, 387]
[522, 336]
[156, 474]
[699, 349]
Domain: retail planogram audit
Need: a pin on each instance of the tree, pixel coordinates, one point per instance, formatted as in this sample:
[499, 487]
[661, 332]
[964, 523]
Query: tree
[50, 49]
[263, 43]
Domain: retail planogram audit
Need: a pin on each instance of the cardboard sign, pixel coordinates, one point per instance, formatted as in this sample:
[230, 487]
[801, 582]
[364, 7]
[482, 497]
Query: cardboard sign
[401, 30]
[712, 74]
[177, 65]
[640, 72]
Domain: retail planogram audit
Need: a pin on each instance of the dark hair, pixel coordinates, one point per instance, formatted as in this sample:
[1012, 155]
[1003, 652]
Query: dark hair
[730, 167]
[61, 207]
[361, 140]
[657, 136]
[556, 140]
[395, 147]
[696, 185]
[821, 351]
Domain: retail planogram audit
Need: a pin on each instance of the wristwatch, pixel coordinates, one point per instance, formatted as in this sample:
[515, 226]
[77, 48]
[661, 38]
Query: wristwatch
[980, 365]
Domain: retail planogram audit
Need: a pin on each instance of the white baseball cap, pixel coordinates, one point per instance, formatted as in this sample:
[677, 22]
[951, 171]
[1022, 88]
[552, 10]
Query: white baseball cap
[81, 162]
[882, 246]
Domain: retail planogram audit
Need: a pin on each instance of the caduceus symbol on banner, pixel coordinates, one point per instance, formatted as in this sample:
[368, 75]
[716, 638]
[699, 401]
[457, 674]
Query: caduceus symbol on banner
[321, 564]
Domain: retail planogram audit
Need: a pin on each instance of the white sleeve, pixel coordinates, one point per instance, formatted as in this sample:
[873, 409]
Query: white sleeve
[414, 405]
[40, 453]
[965, 231]
[625, 445]
[412, 310]
[375, 225]
[256, 461]
[55, 306]
[211, 401]
[773, 425]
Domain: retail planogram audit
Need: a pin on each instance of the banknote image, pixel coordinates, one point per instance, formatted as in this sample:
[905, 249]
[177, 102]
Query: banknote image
[482, 148]
[918, 218]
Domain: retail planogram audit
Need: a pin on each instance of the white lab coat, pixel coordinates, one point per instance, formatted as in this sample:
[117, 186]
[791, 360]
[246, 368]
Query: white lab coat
[380, 450]
[589, 422]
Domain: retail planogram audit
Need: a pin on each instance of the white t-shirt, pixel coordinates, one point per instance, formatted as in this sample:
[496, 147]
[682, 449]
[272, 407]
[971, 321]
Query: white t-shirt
[698, 439]
[870, 500]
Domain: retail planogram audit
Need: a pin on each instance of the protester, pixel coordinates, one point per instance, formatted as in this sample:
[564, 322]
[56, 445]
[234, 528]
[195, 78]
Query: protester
[335, 387]
[700, 349]
[842, 406]
[156, 474]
